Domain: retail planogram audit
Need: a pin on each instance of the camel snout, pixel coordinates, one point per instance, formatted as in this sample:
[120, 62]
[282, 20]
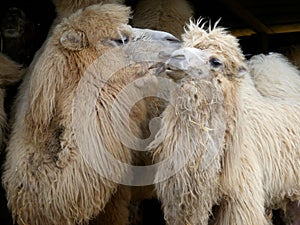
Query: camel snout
[185, 61]
[176, 67]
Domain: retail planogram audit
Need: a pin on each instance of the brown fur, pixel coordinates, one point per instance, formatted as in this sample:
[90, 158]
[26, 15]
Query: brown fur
[167, 15]
[10, 71]
[46, 176]
[65, 8]
[10, 74]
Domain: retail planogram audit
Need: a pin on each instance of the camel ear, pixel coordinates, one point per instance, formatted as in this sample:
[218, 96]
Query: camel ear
[74, 40]
[242, 71]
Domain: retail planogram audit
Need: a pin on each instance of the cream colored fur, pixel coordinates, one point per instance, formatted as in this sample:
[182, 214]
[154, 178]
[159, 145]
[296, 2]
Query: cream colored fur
[274, 75]
[167, 15]
[259, 161]
[188, 128]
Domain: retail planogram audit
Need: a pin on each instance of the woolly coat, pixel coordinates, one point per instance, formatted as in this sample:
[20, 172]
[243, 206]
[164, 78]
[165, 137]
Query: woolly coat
[274, 75]
[256, 168]
[47, 177]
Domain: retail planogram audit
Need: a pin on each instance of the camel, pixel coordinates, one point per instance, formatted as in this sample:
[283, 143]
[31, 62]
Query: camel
[66, 165]
[226, 144]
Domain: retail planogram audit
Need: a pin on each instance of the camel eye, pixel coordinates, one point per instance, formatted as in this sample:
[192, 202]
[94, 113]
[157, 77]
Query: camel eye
[122, 41]
[214, 62]
[117, 42]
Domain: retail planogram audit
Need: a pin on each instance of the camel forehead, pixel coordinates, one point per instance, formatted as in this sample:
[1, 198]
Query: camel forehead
[216, 39]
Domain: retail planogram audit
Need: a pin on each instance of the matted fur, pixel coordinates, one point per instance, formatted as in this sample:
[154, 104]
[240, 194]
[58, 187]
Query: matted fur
[167, 15]
[218, 43]
[274, 75]
[202, 187]
[260, 165]
[188, 129]
[46, 177]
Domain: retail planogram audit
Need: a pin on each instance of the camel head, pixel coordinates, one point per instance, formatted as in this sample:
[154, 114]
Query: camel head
[209, 71]
[218, 42]
[211, 52]
[98, 39]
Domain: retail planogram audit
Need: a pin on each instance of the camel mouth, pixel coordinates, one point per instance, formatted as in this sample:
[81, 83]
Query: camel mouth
[159, 68]
[175, 74]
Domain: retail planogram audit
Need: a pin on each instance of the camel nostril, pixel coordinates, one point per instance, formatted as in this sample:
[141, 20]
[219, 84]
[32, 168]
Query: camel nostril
[178, 57]
[164, 54]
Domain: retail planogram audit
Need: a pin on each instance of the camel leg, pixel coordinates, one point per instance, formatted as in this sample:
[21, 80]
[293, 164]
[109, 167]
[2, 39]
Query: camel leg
[244, 201]
[116, 212]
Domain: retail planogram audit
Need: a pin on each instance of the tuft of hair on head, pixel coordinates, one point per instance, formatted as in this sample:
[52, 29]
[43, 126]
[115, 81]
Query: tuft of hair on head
[205, 35]
[203, 23]
[202, 28]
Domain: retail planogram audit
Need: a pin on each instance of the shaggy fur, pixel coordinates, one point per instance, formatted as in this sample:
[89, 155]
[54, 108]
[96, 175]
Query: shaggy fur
[260, 159]
[10, 73]
[188, 129]
[274, 75]
[167, 15]
[46, 176]
[195, 189]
